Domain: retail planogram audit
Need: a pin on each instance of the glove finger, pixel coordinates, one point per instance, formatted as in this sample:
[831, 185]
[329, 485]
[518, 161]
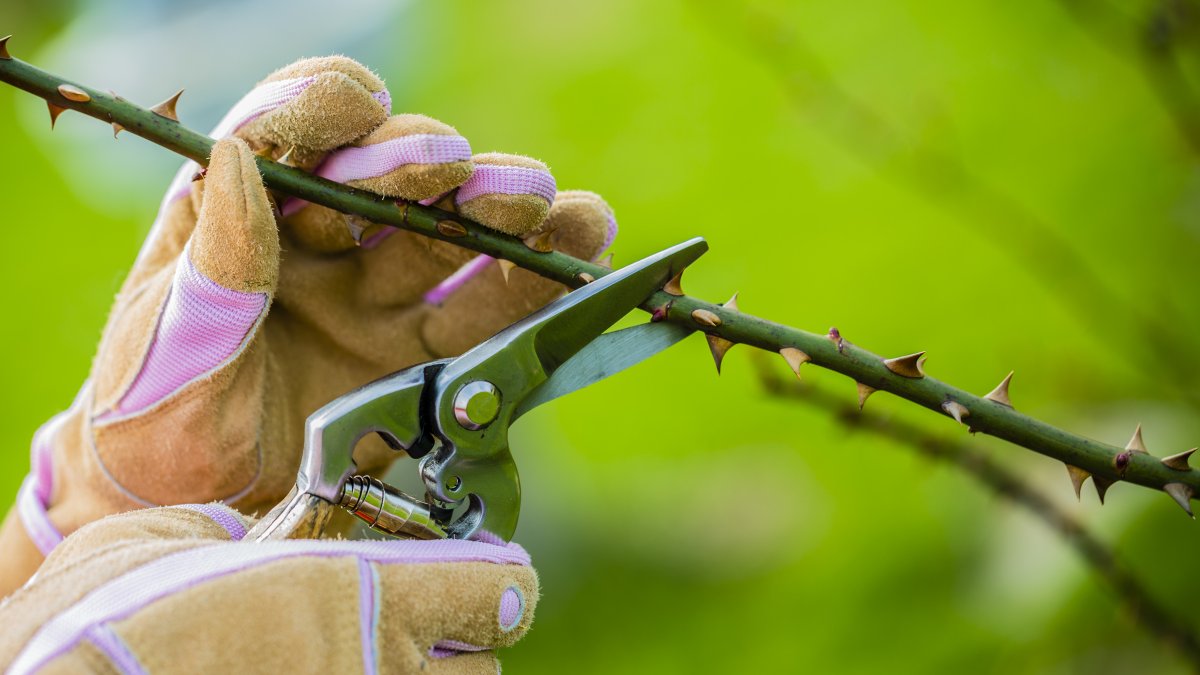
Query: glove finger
[338, 100]
[475, 302]
[463, 606]
[409, 157]
[509, 193]
[183, 349]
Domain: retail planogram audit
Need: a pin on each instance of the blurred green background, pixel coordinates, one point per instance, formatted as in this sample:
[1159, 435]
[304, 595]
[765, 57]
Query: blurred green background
[1010, 186]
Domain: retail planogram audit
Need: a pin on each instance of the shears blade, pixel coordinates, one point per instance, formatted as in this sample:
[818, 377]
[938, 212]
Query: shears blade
[604, 357]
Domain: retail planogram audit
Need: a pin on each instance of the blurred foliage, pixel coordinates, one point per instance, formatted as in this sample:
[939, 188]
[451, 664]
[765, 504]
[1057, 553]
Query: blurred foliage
[685, 523]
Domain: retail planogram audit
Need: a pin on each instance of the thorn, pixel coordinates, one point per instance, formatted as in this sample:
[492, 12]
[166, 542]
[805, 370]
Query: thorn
[1078, 475]
[446, 228]
[864, 391]
[506, 266]
[585, 277]
[795, 358]
[356, 226]
[167, 108]
[1179, 462]
[732, 303]
[706, 318]
[675, 285]
[55, 111]
[540, 241]
[1136, 444]
[1182, 494]
[1121, 462]
[286, 158]
[1000, 393]
[956, 410]
[1102, 485]
[4, 48]
[835, 336]
[907, 366]
[73, 93]
[660, 313]
[718, 346]
[606, 261]
[117, 128]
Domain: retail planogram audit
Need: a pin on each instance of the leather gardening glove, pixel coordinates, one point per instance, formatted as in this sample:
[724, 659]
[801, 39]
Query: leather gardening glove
[166, 591]
[236, 323]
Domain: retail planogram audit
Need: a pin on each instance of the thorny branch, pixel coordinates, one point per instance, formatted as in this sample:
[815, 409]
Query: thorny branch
[723, 325]
[1154, 617]
[953, 186]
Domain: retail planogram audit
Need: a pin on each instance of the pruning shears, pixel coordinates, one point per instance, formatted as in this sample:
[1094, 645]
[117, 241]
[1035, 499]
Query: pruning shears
[453, 415]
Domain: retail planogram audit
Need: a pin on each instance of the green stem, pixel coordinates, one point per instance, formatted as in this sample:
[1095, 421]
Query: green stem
[859, 364]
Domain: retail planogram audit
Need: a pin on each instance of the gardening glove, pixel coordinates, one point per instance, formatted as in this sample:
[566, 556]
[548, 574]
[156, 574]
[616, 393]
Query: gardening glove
[172, 590]
[243, 315]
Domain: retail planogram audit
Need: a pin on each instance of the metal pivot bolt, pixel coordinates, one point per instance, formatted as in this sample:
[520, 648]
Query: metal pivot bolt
[384, 508]
[476, 404]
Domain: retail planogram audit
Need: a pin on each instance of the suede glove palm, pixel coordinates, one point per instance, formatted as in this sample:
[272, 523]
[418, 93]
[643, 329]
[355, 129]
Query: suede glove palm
[241, 316]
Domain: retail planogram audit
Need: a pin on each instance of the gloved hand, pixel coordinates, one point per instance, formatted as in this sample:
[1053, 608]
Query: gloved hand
[235, 324]
[166, 591]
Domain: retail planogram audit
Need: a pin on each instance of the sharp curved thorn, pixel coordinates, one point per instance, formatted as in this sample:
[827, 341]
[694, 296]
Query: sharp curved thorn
[706, 318]
[864, 392]
[446, 228]
[506, 266]
[732, 303]
[117, 128]
[4, 48]
[1182, 494]
[674, 285]
[356, 226]
[1000, 393]
[1179, 462]
[835, 336]
[1136, 444]
[1078, 476]
[585, 277]
[795, 358]
[73, 93]
[718, 346]
[956, 410]
[606, 262]
[540, 241]
[55, 111]
[286, 160]
[911, 366]
[167, 108]
[1102, 484]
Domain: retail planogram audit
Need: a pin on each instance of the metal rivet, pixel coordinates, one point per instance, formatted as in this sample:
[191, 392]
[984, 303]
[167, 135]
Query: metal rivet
[476, 404]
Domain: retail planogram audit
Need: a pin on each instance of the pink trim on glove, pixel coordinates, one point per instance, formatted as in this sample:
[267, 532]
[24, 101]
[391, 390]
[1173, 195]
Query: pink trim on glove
[507, 180]
[368, 614]
[383, 158]
[33, 499]
[438, 294]
[130, 592]
[447, 648]
[115, 649]
[201, 327]
[221, 515]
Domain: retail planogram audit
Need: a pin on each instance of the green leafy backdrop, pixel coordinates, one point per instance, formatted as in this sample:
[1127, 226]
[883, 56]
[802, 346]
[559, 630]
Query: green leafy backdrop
[946, 176]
